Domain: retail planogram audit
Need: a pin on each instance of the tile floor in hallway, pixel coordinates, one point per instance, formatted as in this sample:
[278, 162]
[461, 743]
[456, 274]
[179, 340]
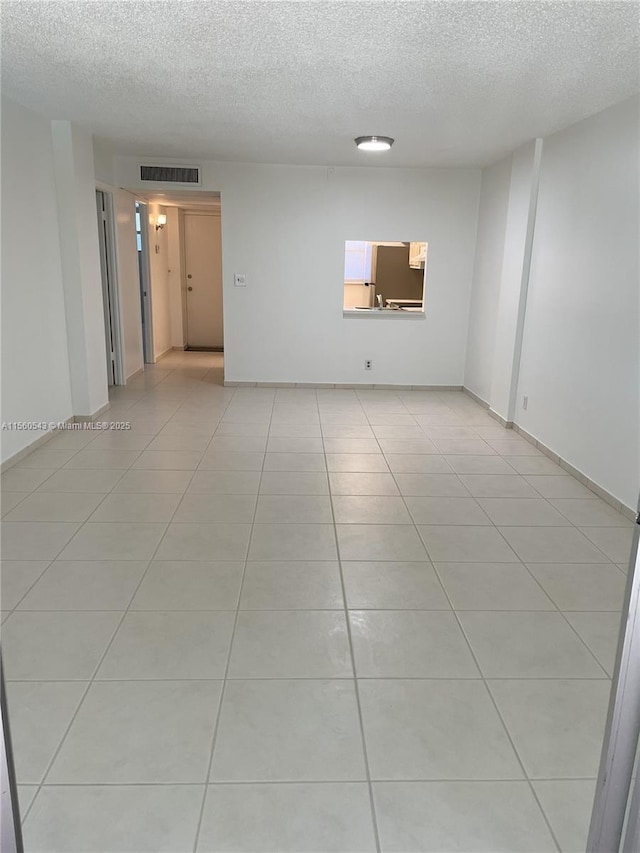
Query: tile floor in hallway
[186, 605]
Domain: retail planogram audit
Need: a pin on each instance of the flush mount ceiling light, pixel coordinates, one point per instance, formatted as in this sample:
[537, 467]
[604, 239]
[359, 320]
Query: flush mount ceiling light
[374, 143]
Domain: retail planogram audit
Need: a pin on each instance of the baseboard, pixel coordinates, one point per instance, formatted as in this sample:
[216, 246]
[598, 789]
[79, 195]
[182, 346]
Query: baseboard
[502, 421]
[35, 445]
[606, 496]
[491, 412]
[355, 386]
[202, 349]
[475, 397]
[163, 354]
[134, 374]
[87, 419]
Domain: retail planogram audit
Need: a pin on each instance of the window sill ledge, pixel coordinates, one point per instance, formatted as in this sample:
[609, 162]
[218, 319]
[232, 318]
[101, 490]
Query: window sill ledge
[354, 314]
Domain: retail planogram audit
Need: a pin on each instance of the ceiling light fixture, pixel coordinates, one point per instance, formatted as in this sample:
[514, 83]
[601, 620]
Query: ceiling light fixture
[374, 143]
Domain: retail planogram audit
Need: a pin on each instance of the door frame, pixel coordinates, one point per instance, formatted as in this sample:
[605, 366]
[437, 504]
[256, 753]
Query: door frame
[615, 817]
[146, 302]
[110, 286]
[202, 211]
[183, 279]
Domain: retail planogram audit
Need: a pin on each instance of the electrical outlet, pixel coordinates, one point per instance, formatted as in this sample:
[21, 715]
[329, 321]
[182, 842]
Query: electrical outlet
[368, 364]
[525, 402]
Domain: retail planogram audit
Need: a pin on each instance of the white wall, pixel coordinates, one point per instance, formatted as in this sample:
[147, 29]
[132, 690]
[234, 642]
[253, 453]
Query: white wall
[78, 232]
[580, 352]
[487, 275]
[35, 363]
[128, 280]
[285, 227]
[514, 282]
[103, 163]
[160, 290]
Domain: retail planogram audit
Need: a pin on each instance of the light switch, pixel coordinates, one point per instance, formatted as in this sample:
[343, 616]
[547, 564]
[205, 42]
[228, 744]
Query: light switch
[240, 279]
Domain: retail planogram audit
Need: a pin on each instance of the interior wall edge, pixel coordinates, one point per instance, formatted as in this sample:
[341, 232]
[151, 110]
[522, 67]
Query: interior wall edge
[596, 488]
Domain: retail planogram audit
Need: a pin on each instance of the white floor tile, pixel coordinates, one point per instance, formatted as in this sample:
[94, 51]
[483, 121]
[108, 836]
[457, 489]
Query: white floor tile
[380, 542]
[85, 585]
[40, 713]
[55, 646]
[95, 818]
[557, 726]
[156, 644]
[52, 506]
[440, 729]
[370, 509]
[288, 730]
[393, 585]
[527, 644]
[16, 579]
[114, 541]
[290, 644]
[220, 475]
[288, 509]
[293, 542]
[581, 586]
[458, 543]
[204, 542]
[35, 540]
[567, 804]
[139, 731]
[409, 644]
[294, 818]
[293, 585]
[443, 817]
[600, 632]
[189, 585]
[492, 586]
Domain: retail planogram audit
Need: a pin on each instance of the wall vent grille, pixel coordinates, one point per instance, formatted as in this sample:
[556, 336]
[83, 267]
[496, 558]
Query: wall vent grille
[170, 174]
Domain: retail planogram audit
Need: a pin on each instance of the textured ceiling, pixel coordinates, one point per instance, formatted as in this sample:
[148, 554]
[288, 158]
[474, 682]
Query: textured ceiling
[456, 83]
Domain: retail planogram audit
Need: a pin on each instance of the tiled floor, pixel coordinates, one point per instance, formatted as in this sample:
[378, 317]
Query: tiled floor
[190, 600]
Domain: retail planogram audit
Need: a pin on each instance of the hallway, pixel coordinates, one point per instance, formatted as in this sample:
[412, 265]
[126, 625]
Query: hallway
[298, 619]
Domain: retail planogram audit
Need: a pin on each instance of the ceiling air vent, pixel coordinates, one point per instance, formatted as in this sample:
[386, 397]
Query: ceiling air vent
[170, 174]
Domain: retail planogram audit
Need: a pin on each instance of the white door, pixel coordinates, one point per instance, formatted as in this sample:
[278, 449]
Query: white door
[203, 269]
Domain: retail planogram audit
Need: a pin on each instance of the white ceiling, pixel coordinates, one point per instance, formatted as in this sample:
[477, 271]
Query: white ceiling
[456, 83]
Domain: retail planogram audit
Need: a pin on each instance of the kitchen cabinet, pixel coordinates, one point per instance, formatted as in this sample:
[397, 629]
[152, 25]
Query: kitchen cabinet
[417, 255]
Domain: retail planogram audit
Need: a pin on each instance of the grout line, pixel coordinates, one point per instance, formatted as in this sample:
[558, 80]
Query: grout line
[361, 398]
[355, 780]
[226, 672]
[356, 688]
[104, 680]
[500, 717]
[92, 679]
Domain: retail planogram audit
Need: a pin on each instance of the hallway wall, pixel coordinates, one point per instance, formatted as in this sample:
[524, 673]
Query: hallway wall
[487, 273]
[160, 289]
[82, 276]
[580, 356]
[284, 227]
[579, 361]
[128, 280]
[35, 365]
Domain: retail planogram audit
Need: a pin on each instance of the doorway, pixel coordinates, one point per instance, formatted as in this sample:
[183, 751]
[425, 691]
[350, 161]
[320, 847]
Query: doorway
[203, 280]
[144, 277]
[110, 301]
